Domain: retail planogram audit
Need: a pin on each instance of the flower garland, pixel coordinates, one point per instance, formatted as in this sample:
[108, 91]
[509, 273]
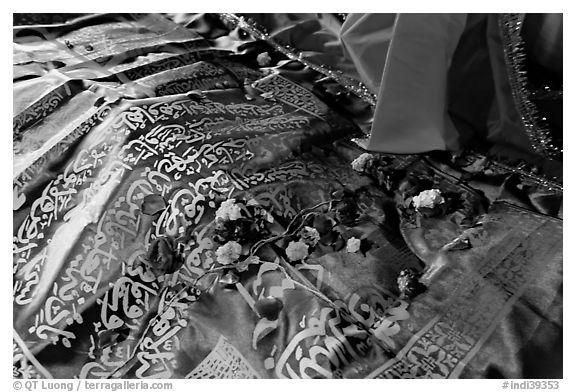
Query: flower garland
[510, 27]
[240, 229]
[418, 197]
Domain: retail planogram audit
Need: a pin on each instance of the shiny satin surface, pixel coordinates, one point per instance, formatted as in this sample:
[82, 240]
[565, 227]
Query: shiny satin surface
[102, 135]
[444, 81]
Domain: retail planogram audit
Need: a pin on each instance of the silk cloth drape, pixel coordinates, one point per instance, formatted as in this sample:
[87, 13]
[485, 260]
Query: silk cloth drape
[113, 120]
[441, 79]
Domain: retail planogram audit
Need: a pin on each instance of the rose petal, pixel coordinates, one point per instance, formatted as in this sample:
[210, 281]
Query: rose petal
[322, 224]
[153, 204]
[458, 244]
[269, 307]
[111, 337]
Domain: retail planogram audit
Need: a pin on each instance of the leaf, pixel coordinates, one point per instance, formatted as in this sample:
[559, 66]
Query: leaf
[339, 244]
[269, 307]
[385, 330]
[262, 329]
[250, 92]
[153, 204]
[111, 337]
[229, 279]
[323, 224]
[329, 238]
[365, 245]
[17, 199]
[163, 256]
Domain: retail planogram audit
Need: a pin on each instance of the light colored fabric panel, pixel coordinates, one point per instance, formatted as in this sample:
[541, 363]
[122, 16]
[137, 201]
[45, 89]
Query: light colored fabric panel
[411, 110]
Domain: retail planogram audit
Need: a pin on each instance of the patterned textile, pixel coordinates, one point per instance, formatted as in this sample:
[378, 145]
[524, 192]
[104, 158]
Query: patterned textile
[148, 107]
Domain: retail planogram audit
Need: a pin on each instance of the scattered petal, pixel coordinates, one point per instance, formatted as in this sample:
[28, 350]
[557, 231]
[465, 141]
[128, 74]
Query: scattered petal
[229, 210]
[111, 337]
[458, 243]
[428, 199]
[297, 251]
[153, 204]
[263, 59]
[409, 284]
[363, 162]
[309, 235]
[162, 256]
[353, 245]
[229, 252]
[269, 307]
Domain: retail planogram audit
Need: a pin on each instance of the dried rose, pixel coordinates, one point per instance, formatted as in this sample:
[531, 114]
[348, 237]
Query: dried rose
[309, 235]
[297, 251]
[415, 183]
[363, 162]
[267, 216]
[353, 245]
[263, 59]
[229, 210]
[223, 231]
[409, 284]
[346, 210]
[428, 199]
[229, 252]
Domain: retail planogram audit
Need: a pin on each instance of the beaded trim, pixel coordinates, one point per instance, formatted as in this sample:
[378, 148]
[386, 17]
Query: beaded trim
[258, 32]
[546, 93]
[514, 55]
[548, 184]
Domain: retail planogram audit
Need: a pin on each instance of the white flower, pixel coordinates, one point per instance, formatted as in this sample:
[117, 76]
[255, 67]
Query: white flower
[229, 252]
[229, 210]
[359, 164]
[296, 251]
[353, 245]
[428, 199]
[263, 59]
[309, 236]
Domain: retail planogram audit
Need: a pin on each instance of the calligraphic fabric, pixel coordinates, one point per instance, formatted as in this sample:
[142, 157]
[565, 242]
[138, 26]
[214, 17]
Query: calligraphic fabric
[111, 110]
